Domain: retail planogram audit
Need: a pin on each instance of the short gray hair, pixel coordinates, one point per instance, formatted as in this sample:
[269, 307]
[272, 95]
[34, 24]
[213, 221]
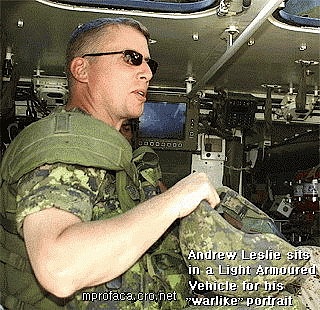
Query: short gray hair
[86, 35]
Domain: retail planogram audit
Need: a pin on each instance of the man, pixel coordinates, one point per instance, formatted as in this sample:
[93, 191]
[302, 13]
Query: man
[78, 233]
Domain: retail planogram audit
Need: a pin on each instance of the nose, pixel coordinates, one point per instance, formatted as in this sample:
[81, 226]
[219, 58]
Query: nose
[145, 71]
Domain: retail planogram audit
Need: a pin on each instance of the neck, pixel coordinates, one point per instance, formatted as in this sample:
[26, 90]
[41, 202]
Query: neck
[86, 103]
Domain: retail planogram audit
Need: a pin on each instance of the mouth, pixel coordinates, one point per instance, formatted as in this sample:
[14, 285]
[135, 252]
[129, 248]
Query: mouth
[141, 93]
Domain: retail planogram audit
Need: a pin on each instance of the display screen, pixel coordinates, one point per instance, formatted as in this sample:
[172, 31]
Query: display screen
[169, 122]
[163, 120]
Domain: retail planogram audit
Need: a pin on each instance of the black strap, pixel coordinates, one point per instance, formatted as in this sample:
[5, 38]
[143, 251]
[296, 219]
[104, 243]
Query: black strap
[8, 225]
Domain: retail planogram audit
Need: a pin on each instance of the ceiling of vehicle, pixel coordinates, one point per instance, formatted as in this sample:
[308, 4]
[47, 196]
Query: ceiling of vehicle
[235, 49]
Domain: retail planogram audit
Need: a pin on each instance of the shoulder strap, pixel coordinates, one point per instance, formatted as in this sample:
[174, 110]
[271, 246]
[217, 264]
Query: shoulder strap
[147, 163]
[69, 137]
[72, 138]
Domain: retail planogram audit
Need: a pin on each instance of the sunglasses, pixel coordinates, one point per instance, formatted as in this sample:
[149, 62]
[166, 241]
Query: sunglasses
[130, 57]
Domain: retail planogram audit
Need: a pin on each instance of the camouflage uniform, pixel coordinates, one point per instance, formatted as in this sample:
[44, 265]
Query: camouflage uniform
[91, 192]
[91, 195]
[239, 228]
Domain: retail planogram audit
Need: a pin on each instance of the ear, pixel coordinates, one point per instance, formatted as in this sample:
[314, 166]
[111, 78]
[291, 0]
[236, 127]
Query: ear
[79, 68]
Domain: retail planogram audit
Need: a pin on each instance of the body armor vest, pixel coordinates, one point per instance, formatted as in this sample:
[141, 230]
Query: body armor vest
[67, 137]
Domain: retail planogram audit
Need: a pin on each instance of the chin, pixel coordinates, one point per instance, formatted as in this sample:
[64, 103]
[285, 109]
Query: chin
[137, 112]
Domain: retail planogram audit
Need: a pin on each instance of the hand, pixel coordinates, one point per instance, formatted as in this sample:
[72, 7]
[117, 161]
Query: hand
[190, 191]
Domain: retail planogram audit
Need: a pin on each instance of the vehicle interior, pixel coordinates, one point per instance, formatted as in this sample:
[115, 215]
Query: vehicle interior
[236, 94]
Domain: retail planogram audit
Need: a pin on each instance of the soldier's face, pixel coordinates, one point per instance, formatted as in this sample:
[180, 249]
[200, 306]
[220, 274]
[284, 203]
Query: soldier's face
[119, 86]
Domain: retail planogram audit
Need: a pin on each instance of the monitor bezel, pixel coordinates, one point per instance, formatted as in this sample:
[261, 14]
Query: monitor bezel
[190, 140]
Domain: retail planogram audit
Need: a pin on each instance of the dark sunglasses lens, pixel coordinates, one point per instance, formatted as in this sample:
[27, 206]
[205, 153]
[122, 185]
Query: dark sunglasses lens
[133, 58]
[153, 66]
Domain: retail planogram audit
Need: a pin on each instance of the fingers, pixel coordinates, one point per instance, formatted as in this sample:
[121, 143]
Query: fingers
[214, 198]
[192, 190]
[209, 192]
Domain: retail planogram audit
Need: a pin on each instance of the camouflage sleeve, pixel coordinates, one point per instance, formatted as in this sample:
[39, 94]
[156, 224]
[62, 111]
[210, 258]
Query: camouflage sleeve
[68, 187]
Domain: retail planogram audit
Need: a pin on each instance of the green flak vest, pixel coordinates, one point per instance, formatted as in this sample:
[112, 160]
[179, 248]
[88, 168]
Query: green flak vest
[68, 137]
